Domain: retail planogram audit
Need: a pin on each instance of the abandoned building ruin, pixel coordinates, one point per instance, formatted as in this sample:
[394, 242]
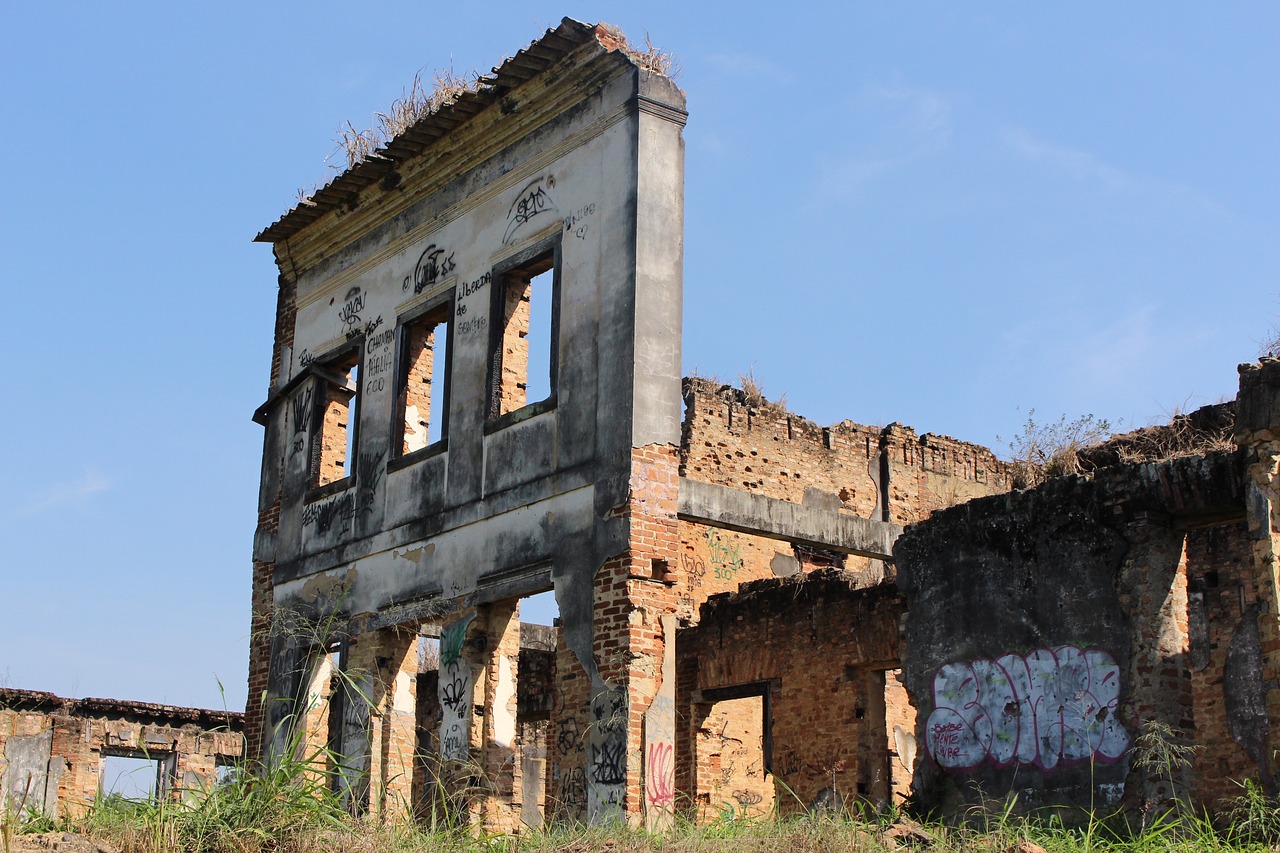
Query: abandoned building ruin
[475, 397]
[55, 752]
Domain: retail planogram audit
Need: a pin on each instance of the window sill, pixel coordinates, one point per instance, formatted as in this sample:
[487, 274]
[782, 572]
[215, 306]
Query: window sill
[523, 413]
[413, 457]
[337, 486]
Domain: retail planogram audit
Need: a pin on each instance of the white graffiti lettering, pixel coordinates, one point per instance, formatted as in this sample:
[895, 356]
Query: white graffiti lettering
[1045, 708]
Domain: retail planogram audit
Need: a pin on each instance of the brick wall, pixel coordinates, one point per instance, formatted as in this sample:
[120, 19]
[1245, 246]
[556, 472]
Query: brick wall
[261, 593]
[1221, 600]
[827, 652]
[52, 749]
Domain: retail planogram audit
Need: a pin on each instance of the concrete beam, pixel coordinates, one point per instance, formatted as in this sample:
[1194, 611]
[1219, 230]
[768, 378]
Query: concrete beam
[744, 512]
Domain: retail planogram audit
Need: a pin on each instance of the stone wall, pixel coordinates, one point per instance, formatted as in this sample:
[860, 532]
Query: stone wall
[52, 749]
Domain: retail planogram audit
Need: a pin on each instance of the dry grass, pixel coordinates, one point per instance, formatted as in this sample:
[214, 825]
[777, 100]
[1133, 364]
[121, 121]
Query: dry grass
[414, 104]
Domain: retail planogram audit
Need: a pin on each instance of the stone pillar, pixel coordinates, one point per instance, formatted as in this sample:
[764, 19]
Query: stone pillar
[381, 673]
[1258, 433]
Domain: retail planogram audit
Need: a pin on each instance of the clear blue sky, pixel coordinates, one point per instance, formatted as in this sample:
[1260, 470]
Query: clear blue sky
[937, 213]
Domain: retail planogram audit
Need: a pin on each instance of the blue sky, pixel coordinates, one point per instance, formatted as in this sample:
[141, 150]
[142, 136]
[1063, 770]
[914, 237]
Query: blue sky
[939, 214]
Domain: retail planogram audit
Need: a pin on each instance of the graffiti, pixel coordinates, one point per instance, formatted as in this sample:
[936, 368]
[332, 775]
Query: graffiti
[472, 286]
[694, 569]
[457, 681]
[379, 360]
[725, 557]
[608, 761]
[305, 359]
[369, 473]
[383, 340]
[454, 693]
[433, 265]
[748, 798]
[471, 327]
[325, 516]
[568, 736]
[533, 201]
[1048, 707]
[300, 406]
[660, 775]
[573, 788]
[349, 313]
[609, 737]
[369, 328]
[573, 223]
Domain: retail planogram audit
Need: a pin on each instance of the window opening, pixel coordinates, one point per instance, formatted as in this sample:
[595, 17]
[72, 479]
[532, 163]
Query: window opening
[732, 754]
[538, 377]
[535, 701]
[524, 362]
[424, 380]
[335, 446]
[131, 777]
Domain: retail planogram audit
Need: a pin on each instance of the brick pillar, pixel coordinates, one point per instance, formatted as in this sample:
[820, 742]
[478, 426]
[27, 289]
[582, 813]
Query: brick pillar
[1258, 433]
[633, 592]
[384, 665]
[567, 739]
[499, 757]
[263, 589]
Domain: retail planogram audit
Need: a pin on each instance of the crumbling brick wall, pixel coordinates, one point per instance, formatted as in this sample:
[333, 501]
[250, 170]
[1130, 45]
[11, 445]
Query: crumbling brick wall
[732, 440]
[52, 749]
[826, 654]
[892, 474]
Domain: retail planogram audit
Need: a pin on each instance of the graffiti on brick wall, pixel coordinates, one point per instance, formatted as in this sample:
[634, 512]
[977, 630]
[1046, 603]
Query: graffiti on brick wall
[573, 789]
[1046, 708]
[456, 684]
[726, 558]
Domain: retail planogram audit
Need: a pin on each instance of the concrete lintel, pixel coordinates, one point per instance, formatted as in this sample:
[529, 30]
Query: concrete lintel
[731, 509]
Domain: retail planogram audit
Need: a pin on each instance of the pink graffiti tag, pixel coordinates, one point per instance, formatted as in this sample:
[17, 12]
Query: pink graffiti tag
[1045, 708]
[660, 775]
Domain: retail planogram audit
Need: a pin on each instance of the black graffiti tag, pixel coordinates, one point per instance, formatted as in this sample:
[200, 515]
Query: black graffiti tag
[433, 265]
[533, 201]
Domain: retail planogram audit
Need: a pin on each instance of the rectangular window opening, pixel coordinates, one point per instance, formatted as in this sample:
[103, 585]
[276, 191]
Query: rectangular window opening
[131, 777]
[525, 347]
[335, 445]
[424, 380]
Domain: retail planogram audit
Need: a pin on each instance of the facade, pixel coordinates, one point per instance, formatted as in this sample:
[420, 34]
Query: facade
[475, 397]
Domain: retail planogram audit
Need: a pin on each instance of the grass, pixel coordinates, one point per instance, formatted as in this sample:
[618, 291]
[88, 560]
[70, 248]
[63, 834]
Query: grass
[287, 811]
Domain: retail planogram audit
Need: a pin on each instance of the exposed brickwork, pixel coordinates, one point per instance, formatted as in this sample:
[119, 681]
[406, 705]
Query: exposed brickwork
[1258, 432]
[385, 664]
[420, 346]
[827, 649]
[1221, 597]
[512, 381]
[191, 743]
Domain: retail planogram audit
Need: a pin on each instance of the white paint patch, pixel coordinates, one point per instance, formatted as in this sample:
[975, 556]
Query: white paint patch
[504, 719]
